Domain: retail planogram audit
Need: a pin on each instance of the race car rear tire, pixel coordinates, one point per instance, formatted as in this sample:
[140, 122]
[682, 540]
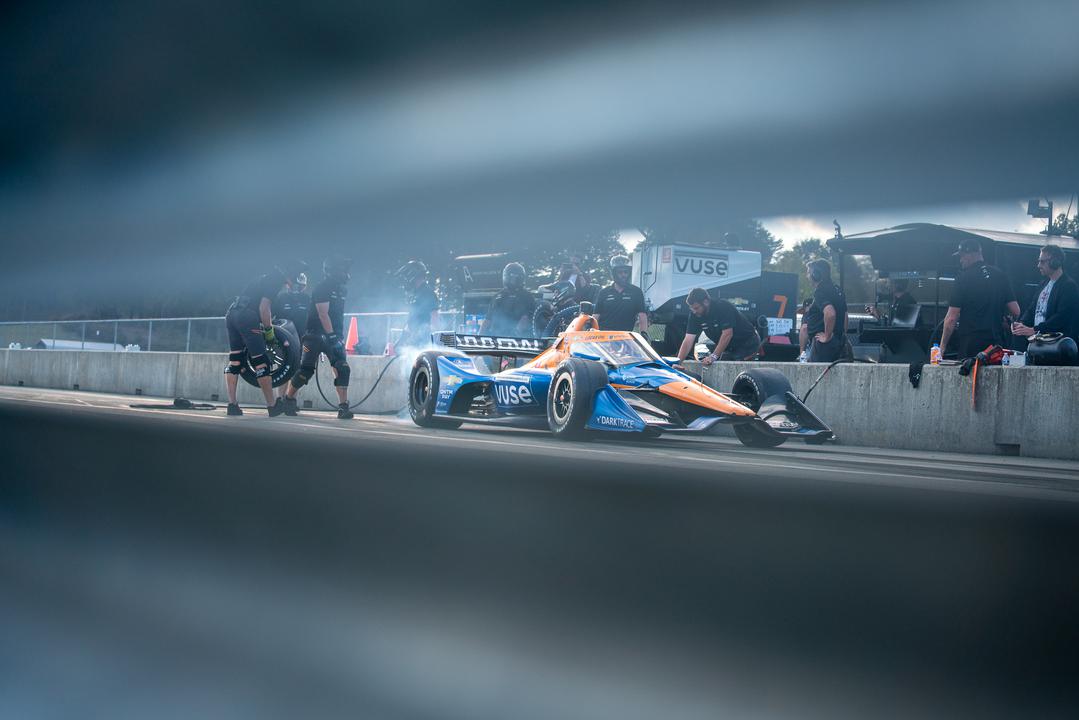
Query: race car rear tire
[572, 395]
[423, 385]
[284, 357]
[753, 387]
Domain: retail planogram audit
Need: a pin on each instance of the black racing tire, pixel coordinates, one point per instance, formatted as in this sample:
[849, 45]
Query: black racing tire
[758, 384]
[284, 357]
[755, 386]
[423, 385]
[571, 396]
[541, 316]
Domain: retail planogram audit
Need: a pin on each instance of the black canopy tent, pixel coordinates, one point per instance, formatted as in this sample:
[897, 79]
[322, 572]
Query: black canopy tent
[926, 250]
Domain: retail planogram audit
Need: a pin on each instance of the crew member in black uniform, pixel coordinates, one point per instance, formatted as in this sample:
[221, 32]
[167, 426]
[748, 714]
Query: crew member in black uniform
[249, 321]
[734, 336]
[824, 325]
[902, 305]
[510, 313]
[621, 303]
[292, 304]
[325, 323]
[982, 304]
[422, 305]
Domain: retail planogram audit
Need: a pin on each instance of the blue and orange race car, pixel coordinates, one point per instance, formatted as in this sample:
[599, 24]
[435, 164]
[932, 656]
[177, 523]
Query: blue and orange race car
[592, 381]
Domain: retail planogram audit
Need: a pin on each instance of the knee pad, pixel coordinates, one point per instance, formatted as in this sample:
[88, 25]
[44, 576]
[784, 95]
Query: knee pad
[236, 359]
[343, 372]
[261, 364]
[301, 377]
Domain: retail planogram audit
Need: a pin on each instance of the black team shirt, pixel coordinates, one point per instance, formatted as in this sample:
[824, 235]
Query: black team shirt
[332, 292]
[618, 310]
[827, 293]
[721, 315]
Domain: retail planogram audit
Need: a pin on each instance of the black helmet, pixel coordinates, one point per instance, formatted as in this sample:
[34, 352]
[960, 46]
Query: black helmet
[411, 270]
[621, 269]
[564, 293]
[296, 272]
[337, 268]
[513, 276]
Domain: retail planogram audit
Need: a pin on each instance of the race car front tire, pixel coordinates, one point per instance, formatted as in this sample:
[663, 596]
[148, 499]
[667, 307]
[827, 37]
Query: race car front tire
[572, 394]
[754, 387]
[423, 386]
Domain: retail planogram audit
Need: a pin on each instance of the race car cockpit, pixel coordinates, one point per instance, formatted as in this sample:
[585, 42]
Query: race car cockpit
[616, 352]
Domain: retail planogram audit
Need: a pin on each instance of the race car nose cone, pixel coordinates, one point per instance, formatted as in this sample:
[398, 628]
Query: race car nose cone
[701, 395]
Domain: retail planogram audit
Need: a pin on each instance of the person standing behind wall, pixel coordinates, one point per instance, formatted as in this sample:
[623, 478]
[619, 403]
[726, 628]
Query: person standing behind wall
[735, 337]
[511, 310]
[981, 297]
[824, 325]
[422, 305]
[621, 304]
[1056, 307]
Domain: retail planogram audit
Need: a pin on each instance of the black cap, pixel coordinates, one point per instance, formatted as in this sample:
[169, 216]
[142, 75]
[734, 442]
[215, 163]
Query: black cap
[970, 245]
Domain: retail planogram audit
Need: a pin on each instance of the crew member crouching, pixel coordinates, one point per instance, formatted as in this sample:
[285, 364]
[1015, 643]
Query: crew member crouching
[250, 327]
[735, 337]
[325, 323]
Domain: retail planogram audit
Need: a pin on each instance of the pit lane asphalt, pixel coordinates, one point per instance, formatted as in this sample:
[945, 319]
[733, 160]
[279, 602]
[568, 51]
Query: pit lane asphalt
[171, 563]
[671, 458]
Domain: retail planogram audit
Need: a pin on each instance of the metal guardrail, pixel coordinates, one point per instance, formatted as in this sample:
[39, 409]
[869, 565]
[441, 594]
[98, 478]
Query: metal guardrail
[195, 334]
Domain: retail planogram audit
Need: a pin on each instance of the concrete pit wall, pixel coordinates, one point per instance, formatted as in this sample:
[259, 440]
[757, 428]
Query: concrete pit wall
[1027, 411]
[195, 376]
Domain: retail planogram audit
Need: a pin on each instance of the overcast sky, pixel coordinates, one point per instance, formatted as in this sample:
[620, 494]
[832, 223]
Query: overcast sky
[1007, 216]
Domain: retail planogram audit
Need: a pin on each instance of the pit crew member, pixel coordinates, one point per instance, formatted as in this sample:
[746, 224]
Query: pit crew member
[735, 337]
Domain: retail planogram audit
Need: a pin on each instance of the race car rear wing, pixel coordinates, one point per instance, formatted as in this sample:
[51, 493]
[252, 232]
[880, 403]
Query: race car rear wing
[492, 345]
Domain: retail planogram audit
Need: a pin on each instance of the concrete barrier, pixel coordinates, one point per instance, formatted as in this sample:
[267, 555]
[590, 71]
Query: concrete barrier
[1032, 411]
[1021, 411]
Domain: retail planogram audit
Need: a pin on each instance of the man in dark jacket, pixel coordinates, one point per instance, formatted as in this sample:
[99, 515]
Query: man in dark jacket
[823, 334]
[1056, 306]
[981, 298]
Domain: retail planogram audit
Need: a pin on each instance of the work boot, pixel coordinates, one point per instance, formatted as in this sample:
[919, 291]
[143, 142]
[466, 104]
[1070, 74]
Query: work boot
[278, 408]
[234, 409]
[292, 409]
[343, 412]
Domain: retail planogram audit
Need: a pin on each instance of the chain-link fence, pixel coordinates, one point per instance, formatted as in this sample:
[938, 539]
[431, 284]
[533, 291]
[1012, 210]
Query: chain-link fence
[205, 334]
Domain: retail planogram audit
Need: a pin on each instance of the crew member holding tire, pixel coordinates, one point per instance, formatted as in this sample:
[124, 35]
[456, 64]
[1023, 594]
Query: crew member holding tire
[325, 323]
[824, 325]
[734, 336]
[422, 305]
[621, 303]
[292, 304]
[249, 321]
[511, 310]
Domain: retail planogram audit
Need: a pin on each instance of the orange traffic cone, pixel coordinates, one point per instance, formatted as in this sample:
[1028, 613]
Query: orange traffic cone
[353, 336]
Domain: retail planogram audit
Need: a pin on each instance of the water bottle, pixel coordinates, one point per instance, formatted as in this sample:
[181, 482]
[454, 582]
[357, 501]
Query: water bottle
[804, 357]
[934, 355]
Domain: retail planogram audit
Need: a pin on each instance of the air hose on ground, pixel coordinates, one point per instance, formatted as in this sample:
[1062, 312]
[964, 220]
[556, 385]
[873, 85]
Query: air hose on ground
[374, 386]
